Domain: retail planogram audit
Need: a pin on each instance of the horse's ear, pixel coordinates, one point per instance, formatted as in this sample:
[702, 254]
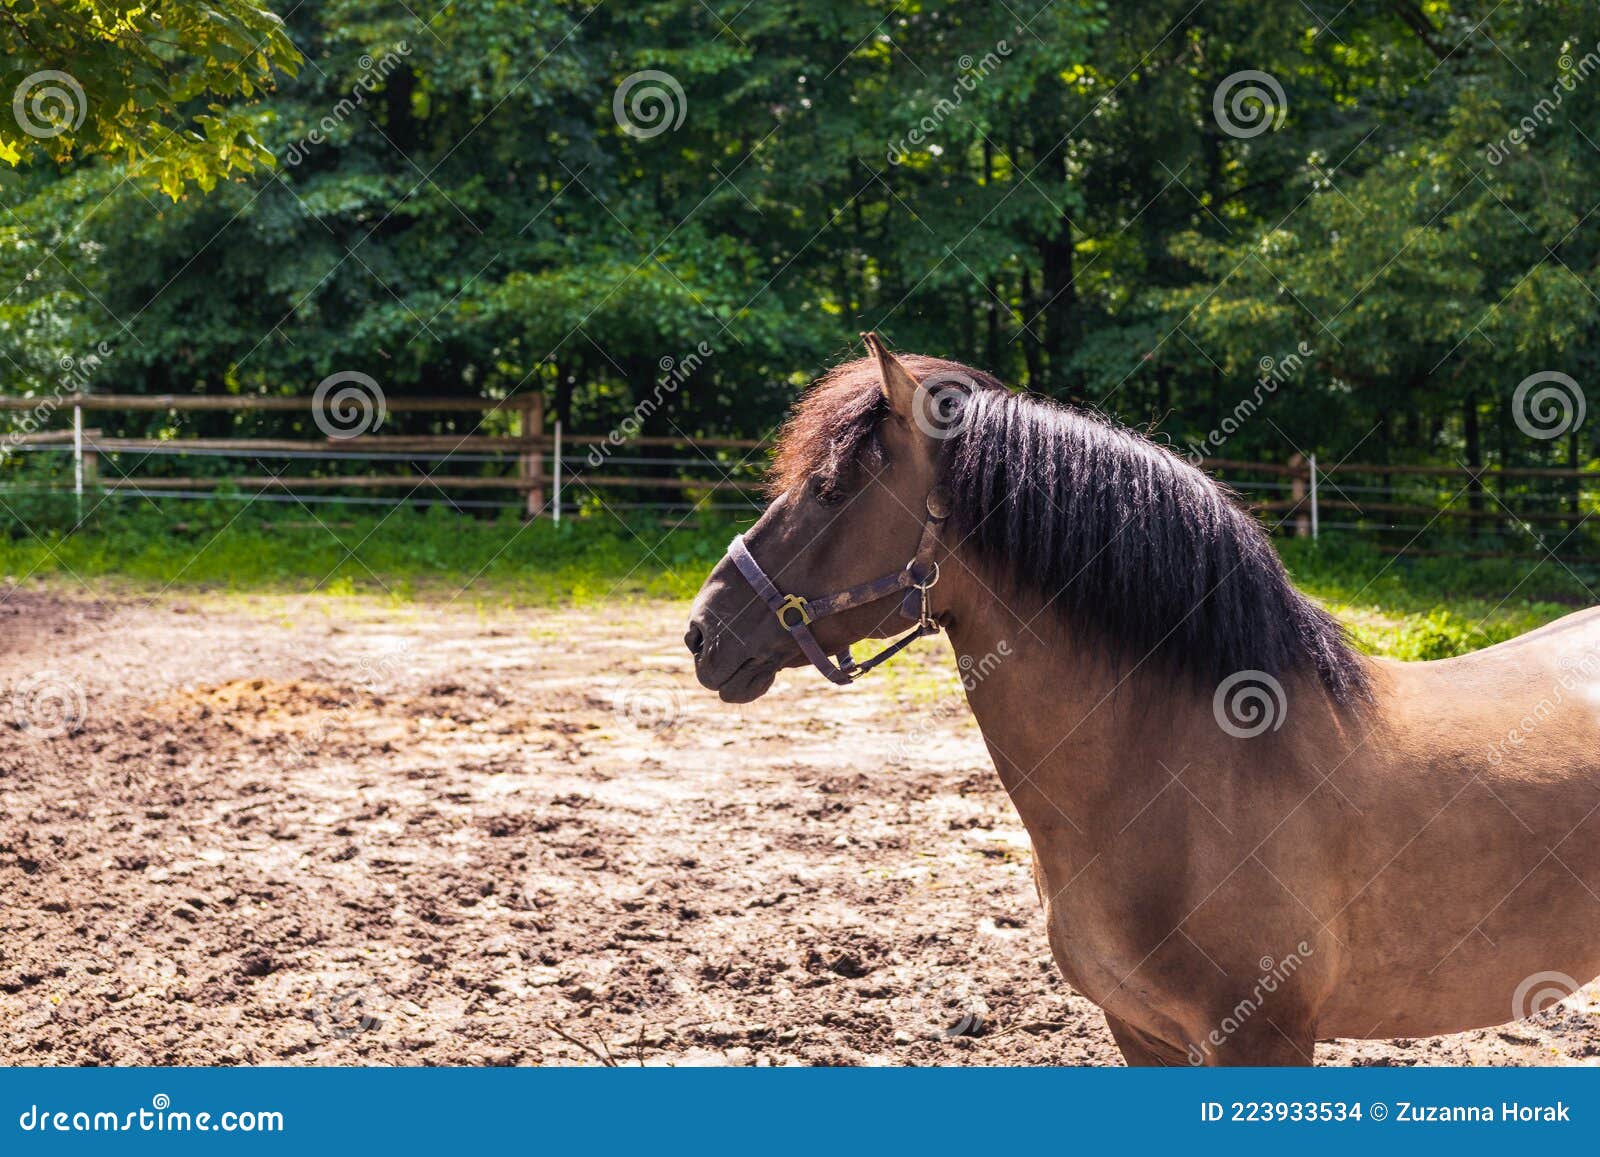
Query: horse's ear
[898, 386]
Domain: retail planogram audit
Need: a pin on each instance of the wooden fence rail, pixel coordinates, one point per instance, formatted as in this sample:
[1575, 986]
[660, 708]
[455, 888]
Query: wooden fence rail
[533, 452]
[537, 459]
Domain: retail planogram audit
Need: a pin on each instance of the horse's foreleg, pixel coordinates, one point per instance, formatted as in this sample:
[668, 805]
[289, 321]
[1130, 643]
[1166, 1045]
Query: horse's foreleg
[1262, 1043]
[1265, 1041]
[1140, 1050]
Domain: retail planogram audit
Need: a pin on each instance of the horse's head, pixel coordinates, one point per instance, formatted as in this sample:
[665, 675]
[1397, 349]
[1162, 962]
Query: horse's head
[855, 468]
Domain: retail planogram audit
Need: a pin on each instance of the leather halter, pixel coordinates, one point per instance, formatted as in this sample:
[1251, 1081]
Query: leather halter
[796, 613]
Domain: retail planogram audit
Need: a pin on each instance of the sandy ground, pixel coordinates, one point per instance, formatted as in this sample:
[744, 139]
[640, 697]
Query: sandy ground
[341, 831]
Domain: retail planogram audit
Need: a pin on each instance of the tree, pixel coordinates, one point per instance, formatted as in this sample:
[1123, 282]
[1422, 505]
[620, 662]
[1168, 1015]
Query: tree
[154, 87]
[1133, 210]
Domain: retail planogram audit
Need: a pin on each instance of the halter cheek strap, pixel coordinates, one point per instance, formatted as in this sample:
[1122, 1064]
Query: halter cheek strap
[796, 613]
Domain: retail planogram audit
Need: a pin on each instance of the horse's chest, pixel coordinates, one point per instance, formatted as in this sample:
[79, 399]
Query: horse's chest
[1094, 962]
[1105, 956]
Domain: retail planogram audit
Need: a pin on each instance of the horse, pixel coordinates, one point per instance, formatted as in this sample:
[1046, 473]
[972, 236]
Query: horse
[1247, 837]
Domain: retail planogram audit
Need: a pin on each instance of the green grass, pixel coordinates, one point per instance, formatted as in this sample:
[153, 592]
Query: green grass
[223, 546]
[1405, 608]
[1432, 608]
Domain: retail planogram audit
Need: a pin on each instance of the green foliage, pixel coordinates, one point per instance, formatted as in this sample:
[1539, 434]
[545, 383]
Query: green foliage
[1432, 608]
[219, 546]
[149, 86]
[463, 202]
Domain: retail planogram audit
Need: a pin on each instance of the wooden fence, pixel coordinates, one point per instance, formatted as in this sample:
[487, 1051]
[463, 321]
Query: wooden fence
[1532, 510]
[533, 462]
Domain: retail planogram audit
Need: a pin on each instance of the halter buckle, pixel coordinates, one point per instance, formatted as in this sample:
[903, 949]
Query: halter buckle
[793, 603]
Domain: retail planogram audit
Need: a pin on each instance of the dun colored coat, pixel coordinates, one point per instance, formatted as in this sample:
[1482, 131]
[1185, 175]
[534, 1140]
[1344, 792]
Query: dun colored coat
[1247, 837]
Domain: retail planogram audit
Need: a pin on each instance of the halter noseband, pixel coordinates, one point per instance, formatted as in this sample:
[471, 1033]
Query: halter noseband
[796, 613]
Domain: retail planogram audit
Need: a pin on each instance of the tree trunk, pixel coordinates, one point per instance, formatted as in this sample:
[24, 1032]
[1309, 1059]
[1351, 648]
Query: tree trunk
[1034, 378]
[992, 338]
[1058, 264]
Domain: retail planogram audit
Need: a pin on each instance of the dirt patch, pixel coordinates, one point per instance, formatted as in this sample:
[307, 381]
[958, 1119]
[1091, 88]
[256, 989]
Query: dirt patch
[336, 831]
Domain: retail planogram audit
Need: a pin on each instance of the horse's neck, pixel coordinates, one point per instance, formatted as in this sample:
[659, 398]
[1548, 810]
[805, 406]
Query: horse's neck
[1076, 744]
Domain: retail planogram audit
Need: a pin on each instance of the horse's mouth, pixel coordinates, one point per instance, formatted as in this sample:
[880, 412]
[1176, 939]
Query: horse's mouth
[749, 681]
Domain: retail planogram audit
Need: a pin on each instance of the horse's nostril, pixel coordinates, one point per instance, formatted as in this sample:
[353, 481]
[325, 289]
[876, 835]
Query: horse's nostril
[694, 639]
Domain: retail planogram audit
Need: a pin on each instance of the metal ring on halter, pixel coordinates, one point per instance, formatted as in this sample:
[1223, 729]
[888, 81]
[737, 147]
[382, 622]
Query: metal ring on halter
[794, 603]
[932, 580]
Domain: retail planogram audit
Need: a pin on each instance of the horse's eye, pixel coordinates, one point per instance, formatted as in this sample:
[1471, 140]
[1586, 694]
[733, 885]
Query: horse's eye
[827, 493]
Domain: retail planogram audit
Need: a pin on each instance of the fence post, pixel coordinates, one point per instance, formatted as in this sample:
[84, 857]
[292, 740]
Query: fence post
[530, 463]
[91, 459]
[1314, 511]
[1297, 495]
[555, 470]
[77, 457]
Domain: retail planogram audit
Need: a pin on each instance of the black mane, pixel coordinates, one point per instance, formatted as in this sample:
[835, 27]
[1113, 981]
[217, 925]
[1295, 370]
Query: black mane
[1132, 546]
